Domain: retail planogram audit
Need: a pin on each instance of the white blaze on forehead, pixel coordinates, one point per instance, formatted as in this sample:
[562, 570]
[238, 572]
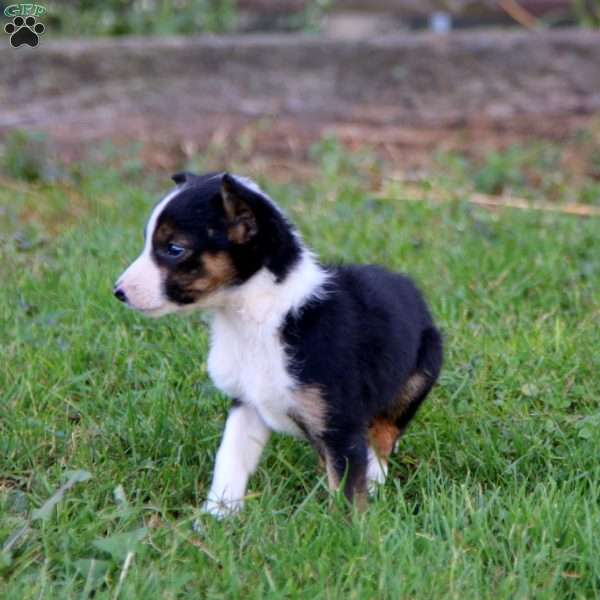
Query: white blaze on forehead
[153, 220]
[142, 282]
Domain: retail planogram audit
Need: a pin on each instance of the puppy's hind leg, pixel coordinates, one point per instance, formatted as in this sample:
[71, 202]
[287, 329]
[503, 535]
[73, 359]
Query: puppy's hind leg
[386, 429]
[383, 434]
[419, 384]
[346, 459]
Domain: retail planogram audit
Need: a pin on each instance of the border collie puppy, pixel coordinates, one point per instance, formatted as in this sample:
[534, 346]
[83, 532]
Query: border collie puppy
[340, 356]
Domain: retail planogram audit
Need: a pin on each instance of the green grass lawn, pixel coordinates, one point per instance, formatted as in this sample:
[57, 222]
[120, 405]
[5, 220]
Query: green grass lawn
[495, 490]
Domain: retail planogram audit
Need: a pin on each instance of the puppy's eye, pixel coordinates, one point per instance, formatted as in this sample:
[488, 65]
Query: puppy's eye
[174, 251]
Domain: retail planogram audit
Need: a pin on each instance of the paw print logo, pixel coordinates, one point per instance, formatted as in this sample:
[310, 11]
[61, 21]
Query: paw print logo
[24, 31]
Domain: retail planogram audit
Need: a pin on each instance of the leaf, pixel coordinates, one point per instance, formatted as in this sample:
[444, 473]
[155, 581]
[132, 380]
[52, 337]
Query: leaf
[119, 495]
[530, 390]
[588, 427]
[93, 570]
[46, 509]
[6, 561]
[17, 502]
[120, 544]
[14, 537]
[121, 500]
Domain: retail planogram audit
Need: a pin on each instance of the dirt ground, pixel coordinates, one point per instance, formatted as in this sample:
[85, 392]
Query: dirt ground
[282, 145]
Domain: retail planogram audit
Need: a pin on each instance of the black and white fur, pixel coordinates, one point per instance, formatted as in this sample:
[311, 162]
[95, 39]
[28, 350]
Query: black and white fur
[340, 356]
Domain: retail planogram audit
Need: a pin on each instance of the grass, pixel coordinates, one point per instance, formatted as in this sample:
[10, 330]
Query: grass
[83, 18]
[495, 492]
[113, 18]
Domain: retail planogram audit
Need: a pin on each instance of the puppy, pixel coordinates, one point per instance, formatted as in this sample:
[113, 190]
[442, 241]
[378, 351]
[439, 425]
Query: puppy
[340, 356]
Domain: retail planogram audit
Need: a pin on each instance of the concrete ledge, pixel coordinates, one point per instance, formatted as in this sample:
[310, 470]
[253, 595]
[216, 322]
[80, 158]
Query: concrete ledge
[401, 80]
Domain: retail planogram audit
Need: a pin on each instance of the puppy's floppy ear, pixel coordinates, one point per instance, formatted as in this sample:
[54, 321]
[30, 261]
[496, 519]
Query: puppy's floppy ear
[237, 202]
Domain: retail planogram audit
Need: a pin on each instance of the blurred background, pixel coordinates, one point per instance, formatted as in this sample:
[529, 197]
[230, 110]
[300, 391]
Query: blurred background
[391, 131]
[474, 86]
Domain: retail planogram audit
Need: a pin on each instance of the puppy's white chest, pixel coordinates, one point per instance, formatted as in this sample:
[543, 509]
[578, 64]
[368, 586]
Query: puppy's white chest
[248, 361]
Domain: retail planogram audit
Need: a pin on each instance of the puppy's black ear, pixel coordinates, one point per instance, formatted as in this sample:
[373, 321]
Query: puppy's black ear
[182, 177]
[239, 202]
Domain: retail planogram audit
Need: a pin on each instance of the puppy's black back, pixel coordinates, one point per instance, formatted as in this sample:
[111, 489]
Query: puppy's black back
[362, 342]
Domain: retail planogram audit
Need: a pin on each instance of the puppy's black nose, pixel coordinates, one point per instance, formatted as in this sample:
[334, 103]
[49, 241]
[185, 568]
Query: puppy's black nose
[120, 295]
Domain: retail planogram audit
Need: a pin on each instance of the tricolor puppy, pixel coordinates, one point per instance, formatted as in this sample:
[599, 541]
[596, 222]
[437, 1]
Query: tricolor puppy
[340, 356]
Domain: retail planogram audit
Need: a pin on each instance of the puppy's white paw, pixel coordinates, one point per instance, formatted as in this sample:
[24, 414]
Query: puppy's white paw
[376, 472]
[221, 509]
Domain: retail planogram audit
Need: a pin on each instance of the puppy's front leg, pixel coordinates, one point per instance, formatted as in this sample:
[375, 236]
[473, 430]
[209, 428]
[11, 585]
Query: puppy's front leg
[242, 444]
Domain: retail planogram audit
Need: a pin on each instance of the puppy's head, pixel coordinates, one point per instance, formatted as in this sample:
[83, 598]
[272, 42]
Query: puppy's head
[211, 233]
